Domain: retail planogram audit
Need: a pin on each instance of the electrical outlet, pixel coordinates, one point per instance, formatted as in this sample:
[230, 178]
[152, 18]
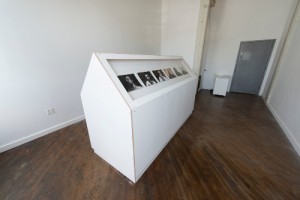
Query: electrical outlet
[50, 111]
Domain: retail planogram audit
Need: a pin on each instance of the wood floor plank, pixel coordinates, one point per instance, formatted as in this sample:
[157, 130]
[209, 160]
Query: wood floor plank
[230, 148]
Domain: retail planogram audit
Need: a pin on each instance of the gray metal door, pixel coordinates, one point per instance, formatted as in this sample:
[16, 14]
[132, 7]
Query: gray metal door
[251, 65]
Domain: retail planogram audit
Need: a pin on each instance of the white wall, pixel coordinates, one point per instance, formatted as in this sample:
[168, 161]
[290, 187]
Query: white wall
[284, 98]
[179, 28]
[45, 48]
[233, 21]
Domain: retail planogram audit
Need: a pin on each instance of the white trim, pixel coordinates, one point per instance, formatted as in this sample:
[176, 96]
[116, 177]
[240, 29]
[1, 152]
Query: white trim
[285, 129]
[39, 134]
[107, 56]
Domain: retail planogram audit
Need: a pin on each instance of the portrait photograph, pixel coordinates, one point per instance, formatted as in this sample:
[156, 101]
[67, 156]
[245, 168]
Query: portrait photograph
[160, 75]
[130, 82]
[147, 78]
[177, 71]
[182, 70]
[170, 74]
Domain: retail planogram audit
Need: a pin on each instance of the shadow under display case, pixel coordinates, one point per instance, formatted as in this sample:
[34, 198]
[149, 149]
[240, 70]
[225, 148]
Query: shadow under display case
[134, 104]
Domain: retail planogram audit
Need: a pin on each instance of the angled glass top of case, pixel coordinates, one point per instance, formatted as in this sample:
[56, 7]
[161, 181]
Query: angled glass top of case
[140, 78]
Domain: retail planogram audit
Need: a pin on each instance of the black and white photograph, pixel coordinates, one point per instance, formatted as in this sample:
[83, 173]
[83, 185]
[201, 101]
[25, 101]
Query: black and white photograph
[147, 78]
[176, 70]
[130, 82]
[182, 70]
[160, 76]
[170, 74]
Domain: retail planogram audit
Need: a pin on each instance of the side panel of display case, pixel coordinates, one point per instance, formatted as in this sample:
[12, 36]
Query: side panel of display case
[108, 119]
[157, 121]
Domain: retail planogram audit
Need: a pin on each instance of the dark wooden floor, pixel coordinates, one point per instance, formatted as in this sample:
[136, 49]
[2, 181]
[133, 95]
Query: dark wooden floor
[230, 148]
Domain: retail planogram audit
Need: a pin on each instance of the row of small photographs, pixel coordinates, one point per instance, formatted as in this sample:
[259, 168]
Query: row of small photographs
[131, 83]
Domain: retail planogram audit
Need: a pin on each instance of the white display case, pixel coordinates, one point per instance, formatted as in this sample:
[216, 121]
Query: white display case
[132, 109]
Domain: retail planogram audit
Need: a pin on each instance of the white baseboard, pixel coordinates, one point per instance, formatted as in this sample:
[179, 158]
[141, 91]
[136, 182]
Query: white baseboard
[286, 130]
[39, 134]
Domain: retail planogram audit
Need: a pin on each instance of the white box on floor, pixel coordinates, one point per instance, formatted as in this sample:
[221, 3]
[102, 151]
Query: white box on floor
[221, 85]
[134, 104]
